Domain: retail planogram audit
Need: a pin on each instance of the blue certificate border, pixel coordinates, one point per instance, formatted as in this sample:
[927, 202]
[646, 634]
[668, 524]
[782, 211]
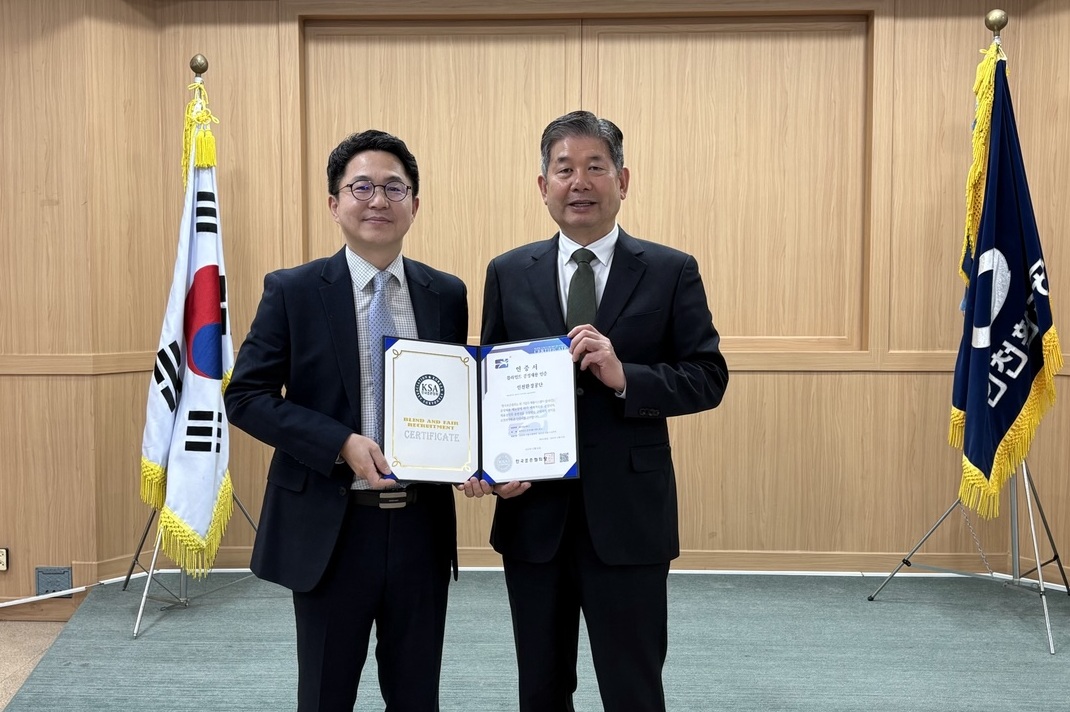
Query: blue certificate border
[480, 354]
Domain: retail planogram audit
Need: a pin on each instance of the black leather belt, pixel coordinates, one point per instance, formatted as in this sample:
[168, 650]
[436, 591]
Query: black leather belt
[388, 499]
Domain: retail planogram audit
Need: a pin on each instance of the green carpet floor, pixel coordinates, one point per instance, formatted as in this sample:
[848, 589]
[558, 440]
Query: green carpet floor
[736, 642]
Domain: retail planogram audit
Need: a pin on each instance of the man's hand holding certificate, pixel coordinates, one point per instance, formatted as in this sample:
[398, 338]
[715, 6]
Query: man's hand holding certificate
[505, 412]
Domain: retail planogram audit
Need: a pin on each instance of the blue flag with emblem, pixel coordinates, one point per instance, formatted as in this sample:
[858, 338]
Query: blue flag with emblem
[1009, 354]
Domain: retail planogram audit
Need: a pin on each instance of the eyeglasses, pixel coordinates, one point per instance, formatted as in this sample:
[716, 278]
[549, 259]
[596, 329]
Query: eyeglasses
[363, 190]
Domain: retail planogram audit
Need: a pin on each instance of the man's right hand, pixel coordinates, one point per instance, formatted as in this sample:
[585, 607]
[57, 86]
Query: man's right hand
[367, 461]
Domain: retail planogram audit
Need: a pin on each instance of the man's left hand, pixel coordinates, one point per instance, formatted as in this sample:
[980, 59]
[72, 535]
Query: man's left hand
[476, 487]
[594, 352]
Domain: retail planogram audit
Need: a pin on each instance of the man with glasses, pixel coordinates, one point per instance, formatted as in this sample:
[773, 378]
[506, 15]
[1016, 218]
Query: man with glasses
[354, 546]
[646, 348]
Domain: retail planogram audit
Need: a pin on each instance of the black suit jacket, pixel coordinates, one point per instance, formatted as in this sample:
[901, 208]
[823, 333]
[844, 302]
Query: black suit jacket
[655, 313]
[296, 387]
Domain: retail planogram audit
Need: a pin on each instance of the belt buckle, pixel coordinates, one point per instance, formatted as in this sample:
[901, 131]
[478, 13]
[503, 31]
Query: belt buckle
[393, 500]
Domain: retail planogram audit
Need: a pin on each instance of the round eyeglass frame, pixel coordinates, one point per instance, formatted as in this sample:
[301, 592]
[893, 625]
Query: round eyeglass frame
[385, 186]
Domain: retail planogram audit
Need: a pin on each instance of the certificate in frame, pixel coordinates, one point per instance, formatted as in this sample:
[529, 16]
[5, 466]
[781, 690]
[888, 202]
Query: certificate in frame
[528, 411]
[503, 412]
[431, 410]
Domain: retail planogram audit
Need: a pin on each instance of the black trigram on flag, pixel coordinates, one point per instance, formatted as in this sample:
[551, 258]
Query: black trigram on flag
[225, 323]
[166, 374]
[207, 219]
[204, 431]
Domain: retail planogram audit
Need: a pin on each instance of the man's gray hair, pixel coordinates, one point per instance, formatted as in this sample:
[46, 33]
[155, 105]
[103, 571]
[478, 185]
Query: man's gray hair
[583, 123]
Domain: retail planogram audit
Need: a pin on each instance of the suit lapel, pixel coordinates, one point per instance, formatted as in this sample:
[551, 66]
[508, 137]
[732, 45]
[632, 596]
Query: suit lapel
[624, 277]
[425, 301]
[542, 281]
[337, 296]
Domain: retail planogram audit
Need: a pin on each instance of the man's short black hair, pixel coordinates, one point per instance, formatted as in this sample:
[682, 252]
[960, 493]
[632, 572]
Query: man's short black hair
[370, 140]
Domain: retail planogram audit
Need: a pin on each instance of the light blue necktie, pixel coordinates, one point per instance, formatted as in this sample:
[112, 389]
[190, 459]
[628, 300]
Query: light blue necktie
[380, 324]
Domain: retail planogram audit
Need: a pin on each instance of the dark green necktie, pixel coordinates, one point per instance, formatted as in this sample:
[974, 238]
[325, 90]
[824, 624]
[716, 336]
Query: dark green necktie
[581, 305]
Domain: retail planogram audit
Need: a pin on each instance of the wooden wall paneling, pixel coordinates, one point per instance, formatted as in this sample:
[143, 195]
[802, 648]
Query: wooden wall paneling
[293, 212]
[879, 159]
[746, 140]
[1039, 66]
[821, 466]
[470, 100]
[119, 422]
[1040, 88]
[46, 516]
[616, 9]
[45, 298]
[936, 59]
[131, 248]
[474, 518]
[130, 251]
[44, 181]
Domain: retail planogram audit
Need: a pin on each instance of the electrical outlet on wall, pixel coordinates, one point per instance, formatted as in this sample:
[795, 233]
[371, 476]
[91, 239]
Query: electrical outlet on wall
[3, 559]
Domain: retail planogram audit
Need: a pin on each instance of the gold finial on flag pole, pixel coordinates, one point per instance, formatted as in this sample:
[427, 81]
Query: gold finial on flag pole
[996, 20]
[199, 120]
[199, 64]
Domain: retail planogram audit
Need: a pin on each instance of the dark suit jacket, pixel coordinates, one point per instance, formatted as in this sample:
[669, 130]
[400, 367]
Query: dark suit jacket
[655, 313]
[303, 340]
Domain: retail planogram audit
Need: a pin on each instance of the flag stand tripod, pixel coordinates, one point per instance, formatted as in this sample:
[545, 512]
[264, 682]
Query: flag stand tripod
[1016, 576]
[181, 598]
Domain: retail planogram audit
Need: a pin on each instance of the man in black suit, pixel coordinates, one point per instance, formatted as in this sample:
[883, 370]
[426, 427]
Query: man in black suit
[353, 546]
[602, 543]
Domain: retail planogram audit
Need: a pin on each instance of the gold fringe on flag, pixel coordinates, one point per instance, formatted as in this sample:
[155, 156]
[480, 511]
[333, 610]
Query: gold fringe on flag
[198, 128]
[982, 493]
[957, 430]
[153, 483]
[186, 548]
[984, 88]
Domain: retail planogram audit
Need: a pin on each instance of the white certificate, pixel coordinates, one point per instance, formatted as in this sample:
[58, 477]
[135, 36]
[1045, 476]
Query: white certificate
[529, 411]
[431, 411]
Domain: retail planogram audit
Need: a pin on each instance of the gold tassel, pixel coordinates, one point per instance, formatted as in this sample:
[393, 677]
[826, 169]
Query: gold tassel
[197, 132]
[984, 88]
[205, 149]
[1053, 357]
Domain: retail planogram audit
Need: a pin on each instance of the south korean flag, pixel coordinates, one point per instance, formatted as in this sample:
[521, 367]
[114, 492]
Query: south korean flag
[185, 449]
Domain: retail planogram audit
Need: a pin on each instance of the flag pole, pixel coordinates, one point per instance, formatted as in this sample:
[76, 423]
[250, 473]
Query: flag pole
[995, 21]
[997, 167]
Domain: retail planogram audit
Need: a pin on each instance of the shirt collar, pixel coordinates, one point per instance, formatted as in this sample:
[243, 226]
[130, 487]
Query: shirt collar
[362, 272]
[602, 247]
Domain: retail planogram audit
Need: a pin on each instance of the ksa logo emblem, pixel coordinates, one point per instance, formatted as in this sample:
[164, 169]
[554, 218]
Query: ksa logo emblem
[429, 389]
